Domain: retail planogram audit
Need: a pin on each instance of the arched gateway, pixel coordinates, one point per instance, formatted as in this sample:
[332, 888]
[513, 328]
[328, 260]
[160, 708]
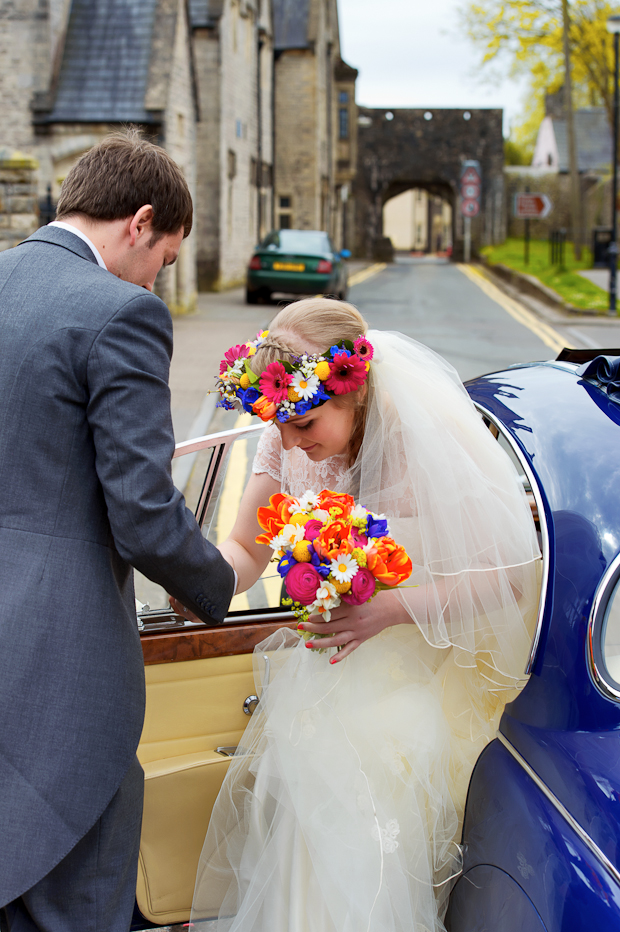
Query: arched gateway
[402, 149]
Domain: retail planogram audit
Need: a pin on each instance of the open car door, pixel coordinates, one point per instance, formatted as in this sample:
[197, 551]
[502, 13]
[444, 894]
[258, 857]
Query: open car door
[199, 684]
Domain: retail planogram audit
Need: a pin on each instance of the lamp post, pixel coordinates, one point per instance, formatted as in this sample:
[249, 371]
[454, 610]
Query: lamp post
[613, 26]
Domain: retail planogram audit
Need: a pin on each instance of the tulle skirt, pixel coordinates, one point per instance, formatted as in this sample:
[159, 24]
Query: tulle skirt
[341, 810]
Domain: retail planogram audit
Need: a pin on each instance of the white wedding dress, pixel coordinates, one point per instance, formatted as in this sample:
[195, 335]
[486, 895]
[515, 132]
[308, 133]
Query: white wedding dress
[342, 810]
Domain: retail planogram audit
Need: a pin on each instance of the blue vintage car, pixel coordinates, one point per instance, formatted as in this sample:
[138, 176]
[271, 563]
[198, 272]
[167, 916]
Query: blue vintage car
[541, 837]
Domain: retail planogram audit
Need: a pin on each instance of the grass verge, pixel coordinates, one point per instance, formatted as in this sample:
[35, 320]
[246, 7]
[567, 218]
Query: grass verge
[569, 285]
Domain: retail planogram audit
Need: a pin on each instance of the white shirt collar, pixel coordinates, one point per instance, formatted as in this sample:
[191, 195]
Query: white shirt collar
[72, 229]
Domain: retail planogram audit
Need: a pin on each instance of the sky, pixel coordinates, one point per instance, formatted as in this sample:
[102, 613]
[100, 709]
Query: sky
[411, 53]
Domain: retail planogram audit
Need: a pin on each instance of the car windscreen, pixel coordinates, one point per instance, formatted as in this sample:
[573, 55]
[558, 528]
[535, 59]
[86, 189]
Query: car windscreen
[306, 242]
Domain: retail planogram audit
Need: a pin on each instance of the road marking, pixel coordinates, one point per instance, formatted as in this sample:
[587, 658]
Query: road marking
[234, 484]
[368, 272]
[580, 335]
[543, 331]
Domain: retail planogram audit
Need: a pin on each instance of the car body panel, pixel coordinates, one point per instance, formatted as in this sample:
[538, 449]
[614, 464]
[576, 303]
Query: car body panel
[306, 280]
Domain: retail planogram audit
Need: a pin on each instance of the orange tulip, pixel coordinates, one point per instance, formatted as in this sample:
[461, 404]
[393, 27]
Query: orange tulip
[265, 409]
[340, 501]
[389, 563]
[334, 538]
[272, 518]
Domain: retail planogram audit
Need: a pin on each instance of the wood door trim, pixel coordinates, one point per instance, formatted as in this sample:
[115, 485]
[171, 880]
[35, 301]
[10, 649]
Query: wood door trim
[220, 641]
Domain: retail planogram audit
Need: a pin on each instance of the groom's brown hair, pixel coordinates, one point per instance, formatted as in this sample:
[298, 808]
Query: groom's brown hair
[121, 174]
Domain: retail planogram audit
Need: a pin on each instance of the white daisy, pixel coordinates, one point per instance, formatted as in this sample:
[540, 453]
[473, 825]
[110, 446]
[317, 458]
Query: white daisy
[359, 512]
[344, 567]
[305, 386]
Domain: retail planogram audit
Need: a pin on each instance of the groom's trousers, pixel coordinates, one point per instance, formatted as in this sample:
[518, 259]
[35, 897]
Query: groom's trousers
[93, 888]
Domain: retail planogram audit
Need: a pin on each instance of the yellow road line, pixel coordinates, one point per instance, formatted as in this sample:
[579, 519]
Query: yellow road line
[368, 272]
[543, 331]
[234, 484]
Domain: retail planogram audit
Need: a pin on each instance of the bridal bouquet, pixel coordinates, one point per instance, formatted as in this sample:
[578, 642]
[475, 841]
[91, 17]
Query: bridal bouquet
[330, 550]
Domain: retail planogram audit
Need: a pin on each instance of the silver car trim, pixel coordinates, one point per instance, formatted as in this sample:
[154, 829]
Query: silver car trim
[544, 531]
[555, 802]
[599, 673]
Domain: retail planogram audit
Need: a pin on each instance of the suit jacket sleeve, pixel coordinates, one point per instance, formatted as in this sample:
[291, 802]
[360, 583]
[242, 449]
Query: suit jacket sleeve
[129, 414]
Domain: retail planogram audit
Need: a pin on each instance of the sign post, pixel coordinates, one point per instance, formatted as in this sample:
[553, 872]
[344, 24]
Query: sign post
[471, 189]
[530, 207]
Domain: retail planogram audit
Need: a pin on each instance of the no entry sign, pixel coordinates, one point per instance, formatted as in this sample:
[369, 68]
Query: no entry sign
[531, 206]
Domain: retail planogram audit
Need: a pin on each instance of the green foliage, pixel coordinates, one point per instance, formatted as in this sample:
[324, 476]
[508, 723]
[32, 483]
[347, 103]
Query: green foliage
[528, 33]
[515, 154]
[573, 288]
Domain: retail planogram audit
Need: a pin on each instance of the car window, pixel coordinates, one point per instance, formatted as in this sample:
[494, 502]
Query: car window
[611, 635]
[309, 242]
[213, 482]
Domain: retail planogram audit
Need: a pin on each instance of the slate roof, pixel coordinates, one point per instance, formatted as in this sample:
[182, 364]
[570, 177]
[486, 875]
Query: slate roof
[594, 151]
[105, 63]
[290, 23]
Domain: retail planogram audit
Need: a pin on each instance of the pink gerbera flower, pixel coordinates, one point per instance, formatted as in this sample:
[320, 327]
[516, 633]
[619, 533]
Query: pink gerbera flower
[234, 353]
[274, 382]
[346, 374]
[363, 349]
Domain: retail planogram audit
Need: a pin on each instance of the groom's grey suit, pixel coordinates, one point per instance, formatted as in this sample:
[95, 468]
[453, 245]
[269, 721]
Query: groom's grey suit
[85, 493]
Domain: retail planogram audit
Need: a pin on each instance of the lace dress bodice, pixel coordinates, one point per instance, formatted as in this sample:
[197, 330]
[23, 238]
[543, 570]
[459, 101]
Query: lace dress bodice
[294, 471]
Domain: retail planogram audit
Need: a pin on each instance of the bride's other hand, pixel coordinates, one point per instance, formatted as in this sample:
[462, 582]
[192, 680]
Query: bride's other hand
[351, 625]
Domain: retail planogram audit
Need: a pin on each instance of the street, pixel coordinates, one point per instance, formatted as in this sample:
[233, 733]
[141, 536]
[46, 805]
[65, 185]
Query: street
[454, 309]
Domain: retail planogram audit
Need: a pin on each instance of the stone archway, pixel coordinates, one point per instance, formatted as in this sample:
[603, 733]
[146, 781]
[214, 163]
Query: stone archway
[401, 149]
[415, 219]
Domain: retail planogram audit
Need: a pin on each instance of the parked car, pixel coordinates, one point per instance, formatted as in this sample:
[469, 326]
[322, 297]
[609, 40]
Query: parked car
[541, 836]
[296, 262]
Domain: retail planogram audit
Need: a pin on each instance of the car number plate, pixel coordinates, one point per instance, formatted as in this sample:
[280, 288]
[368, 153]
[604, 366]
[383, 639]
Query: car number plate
[289, 267]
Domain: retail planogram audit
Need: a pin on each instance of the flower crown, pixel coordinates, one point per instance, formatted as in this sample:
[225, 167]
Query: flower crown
[292, 386]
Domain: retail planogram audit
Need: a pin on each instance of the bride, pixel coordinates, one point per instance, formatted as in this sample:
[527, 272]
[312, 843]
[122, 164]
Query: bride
[342, 808]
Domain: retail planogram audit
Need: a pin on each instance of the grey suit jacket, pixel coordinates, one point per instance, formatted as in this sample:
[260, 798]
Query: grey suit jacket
[85, 493]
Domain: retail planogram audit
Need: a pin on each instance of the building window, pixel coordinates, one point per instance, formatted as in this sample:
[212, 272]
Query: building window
[232, 164]
[343, 97]
[285, 203]
[285, 222]
[343, 123]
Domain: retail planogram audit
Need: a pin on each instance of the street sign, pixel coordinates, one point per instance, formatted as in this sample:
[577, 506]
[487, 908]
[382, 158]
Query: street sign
[470, 207]
[471, 188]
[532, 206]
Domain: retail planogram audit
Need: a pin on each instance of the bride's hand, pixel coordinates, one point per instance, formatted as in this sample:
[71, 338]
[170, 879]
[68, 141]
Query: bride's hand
[351, 625]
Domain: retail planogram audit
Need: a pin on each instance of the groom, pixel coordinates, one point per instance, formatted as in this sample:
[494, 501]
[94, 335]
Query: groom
[85, 494]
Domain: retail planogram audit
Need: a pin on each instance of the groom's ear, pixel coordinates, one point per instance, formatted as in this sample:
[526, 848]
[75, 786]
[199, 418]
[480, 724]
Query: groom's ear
[140, 225]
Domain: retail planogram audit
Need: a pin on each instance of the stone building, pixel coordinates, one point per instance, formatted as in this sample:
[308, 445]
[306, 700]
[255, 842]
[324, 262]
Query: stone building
[250, 97]
[316, 119]
[233, 55]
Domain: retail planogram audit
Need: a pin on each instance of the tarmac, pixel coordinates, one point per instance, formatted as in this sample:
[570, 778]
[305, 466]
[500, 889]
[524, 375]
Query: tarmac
[223, 319]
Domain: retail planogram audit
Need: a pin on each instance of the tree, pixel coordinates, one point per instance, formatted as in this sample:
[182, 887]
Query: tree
[529, 34]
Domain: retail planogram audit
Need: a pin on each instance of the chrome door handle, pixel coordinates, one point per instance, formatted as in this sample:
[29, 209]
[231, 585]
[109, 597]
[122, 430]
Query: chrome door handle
[250, 704]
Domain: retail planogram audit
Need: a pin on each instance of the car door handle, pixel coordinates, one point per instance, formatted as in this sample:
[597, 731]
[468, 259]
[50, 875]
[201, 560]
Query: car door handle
[250, 704]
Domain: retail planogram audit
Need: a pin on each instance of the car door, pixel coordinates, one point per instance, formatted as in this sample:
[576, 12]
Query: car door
[199, 684]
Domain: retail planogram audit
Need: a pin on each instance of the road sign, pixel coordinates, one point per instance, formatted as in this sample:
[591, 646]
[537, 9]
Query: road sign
[471, 188]
[470, 207]
[532, 206]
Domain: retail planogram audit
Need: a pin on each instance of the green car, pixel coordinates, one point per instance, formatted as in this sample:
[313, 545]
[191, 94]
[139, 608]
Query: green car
[296, 262]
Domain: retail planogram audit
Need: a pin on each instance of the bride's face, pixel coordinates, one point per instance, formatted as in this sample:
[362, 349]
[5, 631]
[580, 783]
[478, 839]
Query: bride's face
[322, 432]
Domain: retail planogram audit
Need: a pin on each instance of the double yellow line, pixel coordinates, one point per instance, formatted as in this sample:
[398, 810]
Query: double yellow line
[368, 272]
[543, 331]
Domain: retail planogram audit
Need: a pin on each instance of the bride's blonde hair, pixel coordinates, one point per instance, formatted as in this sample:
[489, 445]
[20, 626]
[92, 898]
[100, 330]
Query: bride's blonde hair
[313, 325]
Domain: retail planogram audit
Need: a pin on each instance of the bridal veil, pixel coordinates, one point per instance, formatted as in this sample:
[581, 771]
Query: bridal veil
[341, 810]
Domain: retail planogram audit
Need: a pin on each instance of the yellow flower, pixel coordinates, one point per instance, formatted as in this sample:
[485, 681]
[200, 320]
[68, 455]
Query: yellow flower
[292, 395]
[300, 550]
[299, 518]
[359, 556]
[251, 350]
[244, 381]
[340, 587]
[322, 370]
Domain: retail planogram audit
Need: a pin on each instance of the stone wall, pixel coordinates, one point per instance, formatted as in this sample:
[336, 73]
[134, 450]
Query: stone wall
[402, 149]
[19, 213]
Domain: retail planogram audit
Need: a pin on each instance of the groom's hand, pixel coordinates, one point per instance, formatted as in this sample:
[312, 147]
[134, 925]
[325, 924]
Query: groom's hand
[181, 610]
